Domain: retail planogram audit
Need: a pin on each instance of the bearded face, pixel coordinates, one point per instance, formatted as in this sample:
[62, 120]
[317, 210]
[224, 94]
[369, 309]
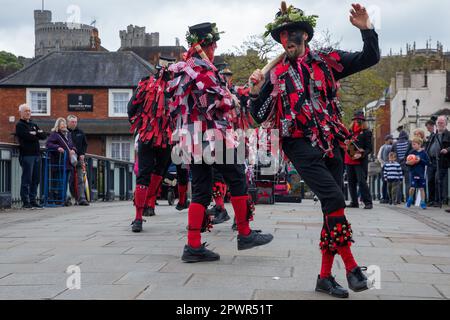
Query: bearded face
[293, 42]
[210, 51]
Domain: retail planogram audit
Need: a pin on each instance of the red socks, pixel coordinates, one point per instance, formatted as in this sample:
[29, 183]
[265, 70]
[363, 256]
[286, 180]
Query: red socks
[152, 193]
[196, 215]
[327, 264]
[182, 194]
[347, 257]
[240, 206]
[139, 200]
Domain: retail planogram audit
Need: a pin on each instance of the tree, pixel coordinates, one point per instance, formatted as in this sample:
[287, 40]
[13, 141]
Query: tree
[9, 64]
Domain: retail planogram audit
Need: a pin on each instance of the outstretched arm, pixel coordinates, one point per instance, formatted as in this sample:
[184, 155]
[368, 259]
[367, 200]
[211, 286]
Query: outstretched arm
[370, 56]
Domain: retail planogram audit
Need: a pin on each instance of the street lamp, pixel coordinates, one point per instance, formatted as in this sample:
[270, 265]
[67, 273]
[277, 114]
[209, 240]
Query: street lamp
[417, 112]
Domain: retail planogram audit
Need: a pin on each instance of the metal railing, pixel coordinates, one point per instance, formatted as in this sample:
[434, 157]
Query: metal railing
[109, 179]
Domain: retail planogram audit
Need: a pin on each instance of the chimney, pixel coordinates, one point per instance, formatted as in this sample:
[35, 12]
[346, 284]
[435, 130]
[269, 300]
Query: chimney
[95, 40]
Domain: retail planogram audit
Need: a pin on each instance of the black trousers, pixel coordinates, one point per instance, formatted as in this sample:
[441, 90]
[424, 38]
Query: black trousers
[357, 177]
[202, 181]
[432, 181]
[182, 175]
[323, 175]
[152, 161]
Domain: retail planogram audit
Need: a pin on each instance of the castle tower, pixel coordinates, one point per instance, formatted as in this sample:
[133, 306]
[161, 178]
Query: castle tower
[42, 17]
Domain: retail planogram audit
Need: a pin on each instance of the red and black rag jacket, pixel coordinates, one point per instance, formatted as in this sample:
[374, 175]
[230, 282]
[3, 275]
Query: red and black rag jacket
[303, 93]
[148, 111]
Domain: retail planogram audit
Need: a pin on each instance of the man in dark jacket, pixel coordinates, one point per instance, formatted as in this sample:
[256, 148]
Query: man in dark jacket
[29, 135]
[76, 180]
[358, 163]
[440, 148]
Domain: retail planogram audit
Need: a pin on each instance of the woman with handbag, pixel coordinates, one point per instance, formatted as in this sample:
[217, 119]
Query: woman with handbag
[59, 143]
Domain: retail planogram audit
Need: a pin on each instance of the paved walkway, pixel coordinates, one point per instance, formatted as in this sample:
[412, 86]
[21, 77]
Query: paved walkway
[411, 247]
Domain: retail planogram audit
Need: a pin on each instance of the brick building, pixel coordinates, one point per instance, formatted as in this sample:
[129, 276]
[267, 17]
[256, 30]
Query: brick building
[94, 86]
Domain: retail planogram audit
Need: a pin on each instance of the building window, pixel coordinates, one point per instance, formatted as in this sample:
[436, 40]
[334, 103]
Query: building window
[39, 101]
[120, 148]
[118, 102]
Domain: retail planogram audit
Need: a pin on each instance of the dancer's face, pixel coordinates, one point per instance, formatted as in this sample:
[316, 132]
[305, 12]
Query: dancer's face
[293, 43]
[210, 51]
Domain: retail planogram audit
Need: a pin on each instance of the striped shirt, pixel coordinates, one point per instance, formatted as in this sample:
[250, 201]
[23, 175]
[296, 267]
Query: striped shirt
[402, 149]
[392, 171]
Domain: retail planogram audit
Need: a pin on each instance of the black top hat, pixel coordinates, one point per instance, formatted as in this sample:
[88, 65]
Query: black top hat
[227, 72]
[221, 65]
[359, 115]
[291, 19]
[206, 32]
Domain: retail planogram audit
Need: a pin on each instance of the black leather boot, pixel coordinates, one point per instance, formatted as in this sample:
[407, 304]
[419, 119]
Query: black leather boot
[191, 255]
[331, 287]
[136, 226]
[149, 212]
[254, 239]
[357, 280]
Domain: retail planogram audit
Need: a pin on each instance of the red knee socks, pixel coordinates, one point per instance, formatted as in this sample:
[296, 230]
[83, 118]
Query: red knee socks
[139, 200]
[152, 193]
[182, 194]
[345, 252]
[196, 215]
[240, 206]
[327, 264]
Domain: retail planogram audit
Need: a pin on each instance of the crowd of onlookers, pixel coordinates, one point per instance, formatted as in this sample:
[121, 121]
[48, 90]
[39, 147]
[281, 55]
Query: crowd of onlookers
[67, 142]
[418, 165]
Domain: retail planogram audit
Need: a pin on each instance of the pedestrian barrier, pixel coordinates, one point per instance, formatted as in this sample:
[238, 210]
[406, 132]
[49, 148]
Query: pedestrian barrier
[108, 179]
[55, 178]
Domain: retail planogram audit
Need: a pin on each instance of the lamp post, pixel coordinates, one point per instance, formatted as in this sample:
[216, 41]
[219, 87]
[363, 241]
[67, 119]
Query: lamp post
[417, 112]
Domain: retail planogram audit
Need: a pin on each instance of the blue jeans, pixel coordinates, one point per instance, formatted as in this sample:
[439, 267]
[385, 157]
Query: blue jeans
[30, 178]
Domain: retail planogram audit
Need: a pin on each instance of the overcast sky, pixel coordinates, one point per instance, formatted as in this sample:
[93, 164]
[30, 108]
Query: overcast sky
[399, 21]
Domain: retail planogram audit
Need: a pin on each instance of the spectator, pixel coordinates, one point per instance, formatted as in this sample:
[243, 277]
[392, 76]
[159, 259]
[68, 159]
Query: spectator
[401, 148]
[358, 164]
[432, 150]
[393, 176]
[61, 141]
[418, 167]
[29, 134]
[76, 181]
[443, 157]
[383, 158]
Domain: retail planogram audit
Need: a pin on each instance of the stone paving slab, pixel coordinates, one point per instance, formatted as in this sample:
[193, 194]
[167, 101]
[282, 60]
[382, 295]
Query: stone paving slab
[36, 248]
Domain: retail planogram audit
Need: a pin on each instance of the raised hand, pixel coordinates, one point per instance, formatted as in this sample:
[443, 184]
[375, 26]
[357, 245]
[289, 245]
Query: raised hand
[359, 17]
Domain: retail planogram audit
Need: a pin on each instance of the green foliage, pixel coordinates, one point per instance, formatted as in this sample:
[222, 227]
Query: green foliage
[293, 15]
[9, 64]
[193, 38]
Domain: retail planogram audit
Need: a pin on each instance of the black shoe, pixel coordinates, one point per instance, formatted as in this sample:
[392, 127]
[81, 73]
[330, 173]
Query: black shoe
[27, 206]
[353, 205]
[149, 212]
[68, 203]
[357, 281]
[221, 216]
[84, 203]
[254, 239]
[136, 226]
[234, 226]
[36, 205]
[191, 255]
[183, 207]
[368, 207]
[331, 287]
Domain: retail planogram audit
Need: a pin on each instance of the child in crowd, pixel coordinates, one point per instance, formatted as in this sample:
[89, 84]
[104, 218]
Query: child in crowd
[418, 161]
[393, 175]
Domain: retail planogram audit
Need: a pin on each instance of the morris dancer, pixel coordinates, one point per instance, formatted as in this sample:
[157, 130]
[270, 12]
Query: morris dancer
[149, 115]
[201, 103]
[299, 97]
